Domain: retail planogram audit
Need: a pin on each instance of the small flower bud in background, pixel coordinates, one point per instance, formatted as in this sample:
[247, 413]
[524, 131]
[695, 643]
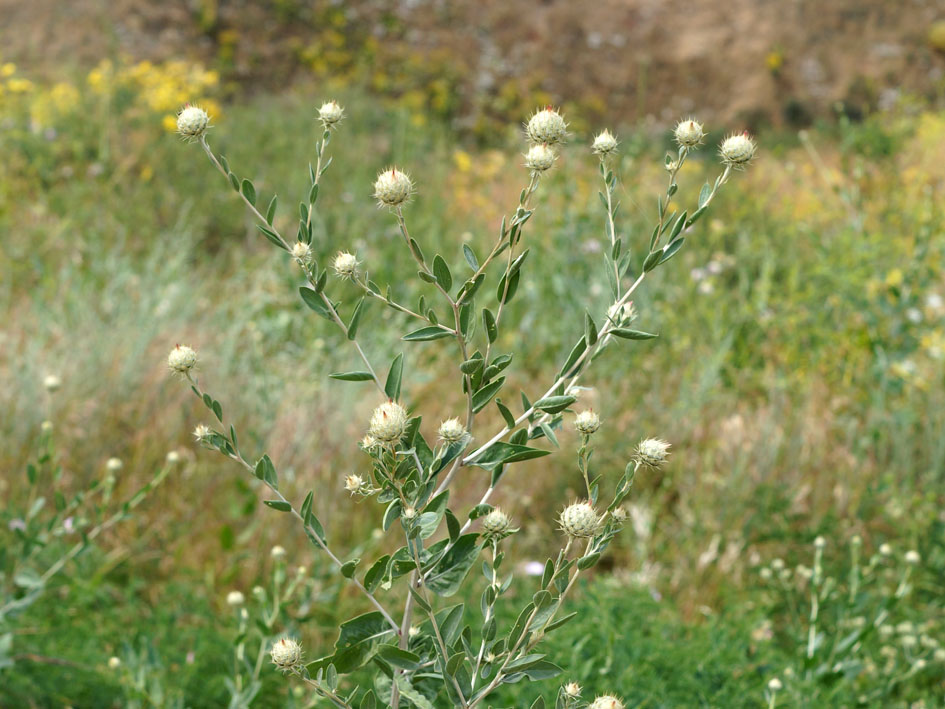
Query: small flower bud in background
[182, 359]
[604, 144]
[331, 114]
[652, 452]
[774, 684]
[114, 663]
[46, 426]
[235, 599]
[606, 701]
[913, 558]
[172, 458]
[688, 133]
[540, 158]
[392, 188]
[451, 431]
[388, 422]
[496, 523]
[409, 514]
[113, 465]
[345, 265]
[579, 520]
[546, 126]
[277, 553]
[286, 654]
[51, 382]
[820, 543]
[302, 252]
[587, 422]
[738, 150]
[192, 122]
[572, 689]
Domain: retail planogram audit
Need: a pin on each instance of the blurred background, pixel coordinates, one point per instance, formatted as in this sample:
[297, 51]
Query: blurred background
[799, 372]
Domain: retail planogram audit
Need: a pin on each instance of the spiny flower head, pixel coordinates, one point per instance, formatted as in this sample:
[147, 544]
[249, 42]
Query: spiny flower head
[367, 443]
[579, 519]
[620, 515]
[451, 431]
[496, 524]
[388, 422]
[587, 422]
[302, 252]
[345, 265]
[392, 188]
[738, 150]
[652, 452]
[604, 144]
[331, 114]
[355, 484]
[689, 133]
[286, 654]
[572, 689]
[547, 127]
[182, 359]
[540, 158]
[192, 122]
[606, 701]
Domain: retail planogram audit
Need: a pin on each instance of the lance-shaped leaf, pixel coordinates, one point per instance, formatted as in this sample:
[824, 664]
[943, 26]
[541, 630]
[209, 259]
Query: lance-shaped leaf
[357, 643]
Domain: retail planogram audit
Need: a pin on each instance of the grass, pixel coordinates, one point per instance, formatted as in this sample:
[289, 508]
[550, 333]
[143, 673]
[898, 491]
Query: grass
[801, 392]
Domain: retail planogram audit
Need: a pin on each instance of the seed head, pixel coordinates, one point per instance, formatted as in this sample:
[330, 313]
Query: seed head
[540, 158]
[192, 122]
[301, 252]
[652, 452]
[546, 126]
[579, 519]
[604, 144]
[52, 382]
[689, 133]
[738, 150]
[235, 599]
[496, 524]
[113, 465]
[606, 701]
[913, 558]
[587, 422]
[345, 265]
[572, 689]
[331, 114]
[182, 359]
[451, 431]
[286, 654]
[388, 422]
[277, 553]
[392, 188]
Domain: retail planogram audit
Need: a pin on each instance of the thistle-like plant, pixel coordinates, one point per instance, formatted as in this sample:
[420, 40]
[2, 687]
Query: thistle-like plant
[428, 654]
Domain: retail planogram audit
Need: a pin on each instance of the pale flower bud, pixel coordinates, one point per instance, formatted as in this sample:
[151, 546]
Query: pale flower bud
[114, 663]
[172, 458]
[301, 252]
[546, 126]
[820, 543]
[277, 553]
[367, 443]
[540, 158]
[606, 701]
[738, 150]
[587, 422]
[392, 188]
[572, 689]
[620, 515]
[774, 684]
[113, 465]
[913, 558]
[689, 133]
[354, 484]
[579, 519]
[345, 265]
[192, 122]
[286, 654]
[331, 114]
[496, 523]
[604, 144]
[388, 422]
[652, 452]
[885, 549]
[202, 434]
[52, 382]
[451, 431]
[410, 514]
[235, 599]
[182, 359]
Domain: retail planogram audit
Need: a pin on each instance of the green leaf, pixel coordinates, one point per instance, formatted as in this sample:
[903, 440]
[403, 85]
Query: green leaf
[671, 248]
[586, 562]
[628, 334]
[352, 376]
[271, 210]
[506, 414]
[470, 258]
[411, 694]
[315, 302]
[484, 395]
[280, 505]
[357, 643]
[355, 319]
[249, 192]
[432, 515]
[447, 576]
[575, 355]
[554, 404]
[272, 236]
[501, 453]
[432, 332]
[488, 321]
[399, 658]
[374, 575]
[704, 195]
[542, 670]
[590, 329]
[394, 374]
[652, 260]
[347, 568]
[266, 471]
[313, 193]
[442, 273]
[368, 701]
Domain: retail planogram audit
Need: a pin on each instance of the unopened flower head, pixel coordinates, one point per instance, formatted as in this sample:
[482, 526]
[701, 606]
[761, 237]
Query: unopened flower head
[355, 484]
[388, 422]
[451, 431]
[277, 553]
[546, 126]
[689, 133]
[774, 684]
[820, 543]
[172, 458]
[114, 663]
[572, 689]
[51, 382]
[579, 519]
[286, 654]
[235, 599]
[496, 523]
[392, 188]
[345, 265]
[620, 515]
[885, 549]
[652, 452]
[604, 144]
[606, 701]
[367, 443]
[113, 465]
[622, 313]
[540, 158]
[331, 114]
[737, 150]
[913, 558]
[202, 434]
[192, 122]
[182, 359]
[302, 252]
[587, 422]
